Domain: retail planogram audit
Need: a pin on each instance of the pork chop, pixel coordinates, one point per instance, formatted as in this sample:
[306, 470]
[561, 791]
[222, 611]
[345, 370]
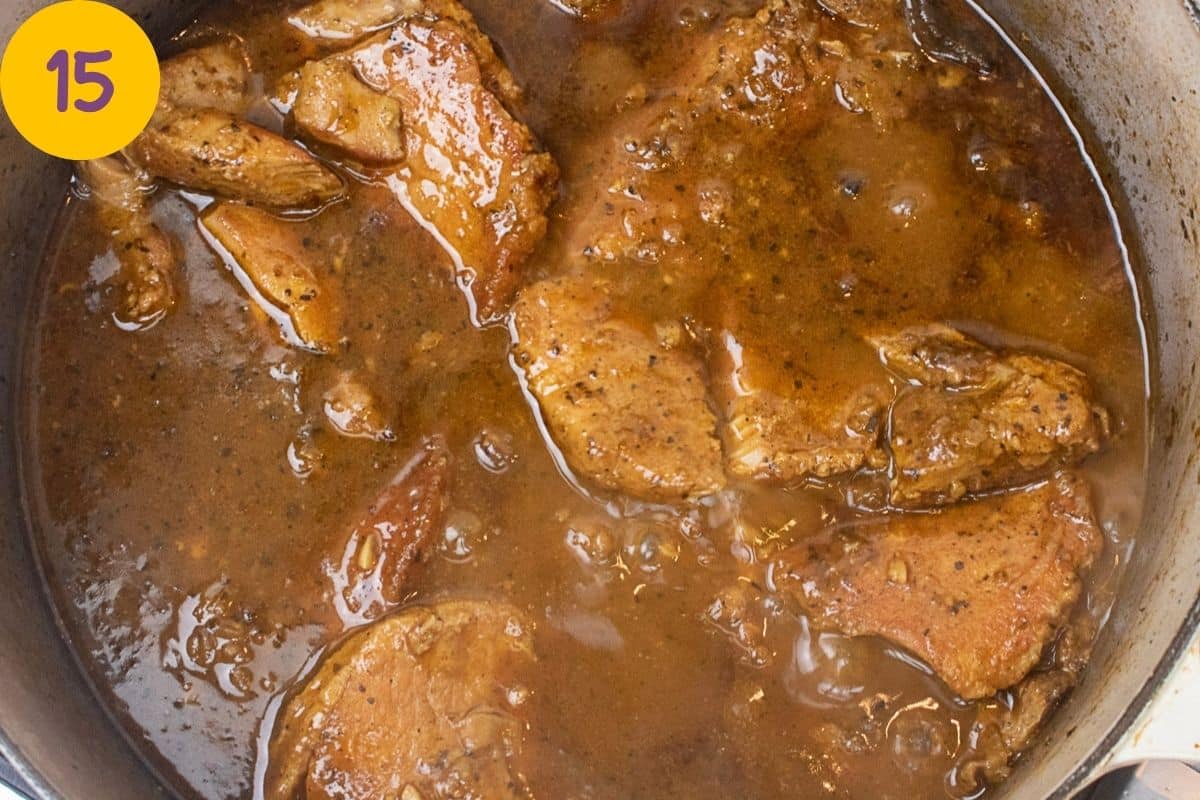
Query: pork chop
[627, 412]
[332, 106]
[148, 256]
[270, 259]
[977, 590]
[1006, 725]
[972, 420]
[212, 151]
[427, 703]
[213, 76]
[743, 86]
[800, 398]
[370, 575]
[471, 172]
[340, 22]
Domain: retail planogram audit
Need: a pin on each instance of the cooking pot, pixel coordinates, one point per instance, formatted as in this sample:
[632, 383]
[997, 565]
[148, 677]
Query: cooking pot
[1127, 70]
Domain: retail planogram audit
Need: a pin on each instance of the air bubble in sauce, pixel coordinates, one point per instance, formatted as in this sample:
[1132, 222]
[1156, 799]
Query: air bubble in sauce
[463, 530]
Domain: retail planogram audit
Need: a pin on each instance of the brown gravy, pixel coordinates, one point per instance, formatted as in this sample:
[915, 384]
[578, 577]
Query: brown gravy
[191, 562]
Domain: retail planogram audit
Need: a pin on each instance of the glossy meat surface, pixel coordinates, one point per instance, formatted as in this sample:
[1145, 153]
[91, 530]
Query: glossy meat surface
[335, 22]
[212, 151]
[118, 187]
[628, 413]
[973, 420]
[977, 591]
[334, 107]
[798, 402]
[751, 78]
[391, 538]
[272, 255]
[211, 76]
[147, 256]
[447, 678]
[473, 174]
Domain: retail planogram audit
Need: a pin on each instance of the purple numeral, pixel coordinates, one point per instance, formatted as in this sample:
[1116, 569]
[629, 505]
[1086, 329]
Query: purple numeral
[59, 63]
[83, 59]
[82, 77]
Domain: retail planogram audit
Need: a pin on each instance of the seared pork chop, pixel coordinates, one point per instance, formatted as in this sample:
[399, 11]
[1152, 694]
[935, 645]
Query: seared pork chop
[971, 420]
[627, 412]
[976, 590]
[426, 703]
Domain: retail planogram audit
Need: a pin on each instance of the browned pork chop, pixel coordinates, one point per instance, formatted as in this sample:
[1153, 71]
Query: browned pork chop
[370, 576]
[427, 703]
[1006, 725]
[800, 399]
[338, 22]
[972, 419]
[198, 141]
[741, 86]
[148, 257]
[334, 107]
[471, 172]
[213, 151]
[212, 76]
[273, 256]
[628, 413]
[977, 590]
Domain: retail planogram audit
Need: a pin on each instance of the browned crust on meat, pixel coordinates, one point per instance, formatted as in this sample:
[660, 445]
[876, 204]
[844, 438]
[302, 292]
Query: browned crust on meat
[212, 151]
[977, 590]
[627, 413]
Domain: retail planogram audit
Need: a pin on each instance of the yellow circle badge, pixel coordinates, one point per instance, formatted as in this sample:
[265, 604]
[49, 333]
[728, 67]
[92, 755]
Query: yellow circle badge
[79, 79]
